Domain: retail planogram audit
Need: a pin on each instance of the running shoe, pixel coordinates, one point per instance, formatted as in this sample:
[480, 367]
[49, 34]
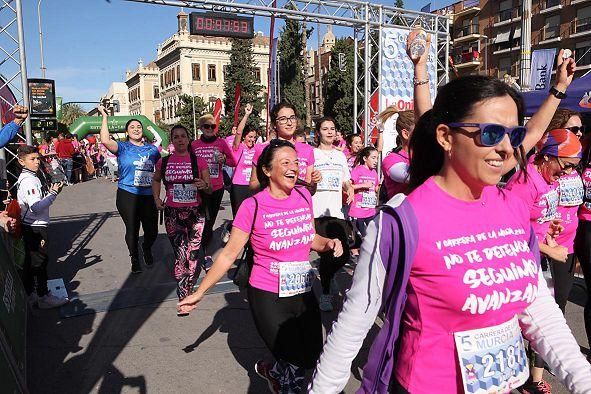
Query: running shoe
[541, 387]
[207, 263]
[148, 257]
[226, 233]
[49, 301]
[325, 303]
[136, 268]
[263, 370]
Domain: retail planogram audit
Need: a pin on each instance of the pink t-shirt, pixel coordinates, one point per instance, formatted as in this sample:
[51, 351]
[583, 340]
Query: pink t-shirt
[570, 192]
[230, 140]
[304, 151]
[179, 172]
[283, 232]
[538, 195]
[207, 151]
[462, 278]
[393, 187]
[585, 209]
[243, 157]
[365, 201]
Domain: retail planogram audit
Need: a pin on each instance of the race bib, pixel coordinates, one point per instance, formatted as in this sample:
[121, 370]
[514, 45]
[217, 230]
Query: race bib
[571, 191]
[551, 208]
[142, 178]
[492, 359]
[184, 193]
[247, 172]
[331, 180]
[369, 199]
[214, 169]
[295, 278]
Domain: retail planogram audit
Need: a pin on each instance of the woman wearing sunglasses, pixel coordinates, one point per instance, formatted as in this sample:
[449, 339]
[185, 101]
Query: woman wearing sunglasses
[216, 152]
[279, 221]
[454, 265]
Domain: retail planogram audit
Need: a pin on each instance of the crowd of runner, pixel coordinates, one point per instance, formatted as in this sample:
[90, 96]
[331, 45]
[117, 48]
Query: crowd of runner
[452, 242]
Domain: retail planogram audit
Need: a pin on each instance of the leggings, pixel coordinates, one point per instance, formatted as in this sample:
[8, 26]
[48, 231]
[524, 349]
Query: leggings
[34, 273]
[583, 252]
[563, 276]
[137, 209]
[361, 225]
[330, 227]
[291, 327]
[238, 193]
[212, 208]
[184, 226]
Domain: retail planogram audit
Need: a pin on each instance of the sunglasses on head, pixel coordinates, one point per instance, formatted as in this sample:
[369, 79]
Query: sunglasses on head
[491, 134]
[208, 126]
[577, 129]
[276, 142]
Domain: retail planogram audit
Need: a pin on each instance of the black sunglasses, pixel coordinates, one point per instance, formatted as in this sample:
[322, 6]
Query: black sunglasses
[208, 126]
[276, 142]
[567, 167]
[491, 134]
[577, 129]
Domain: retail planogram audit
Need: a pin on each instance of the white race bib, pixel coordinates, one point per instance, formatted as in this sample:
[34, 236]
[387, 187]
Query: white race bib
[142, 178]
[331, 179]
[295, 278]
[214, 169]
[369, 199]
[184, 193]
[492, 359]
[551, 206]
[247, 172]
[571, 191]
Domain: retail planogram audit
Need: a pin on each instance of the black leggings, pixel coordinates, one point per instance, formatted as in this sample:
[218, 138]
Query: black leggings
[212, 207]
[583, 252]
[291, 327]
[330, 227]
[563, 276]
[238, 193]
[137, 209]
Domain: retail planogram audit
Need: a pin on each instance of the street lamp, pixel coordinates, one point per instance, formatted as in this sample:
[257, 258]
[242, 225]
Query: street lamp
[40, 38]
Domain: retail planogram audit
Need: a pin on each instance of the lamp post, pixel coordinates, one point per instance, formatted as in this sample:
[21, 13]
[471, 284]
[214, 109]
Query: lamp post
[194, 123]
[40, 38]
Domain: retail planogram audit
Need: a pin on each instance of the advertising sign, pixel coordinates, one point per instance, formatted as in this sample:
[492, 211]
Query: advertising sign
[42, 98]
[542, 62]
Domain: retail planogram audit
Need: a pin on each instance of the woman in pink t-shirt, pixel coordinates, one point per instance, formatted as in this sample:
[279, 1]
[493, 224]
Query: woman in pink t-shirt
[395, 164]
[354, 145]
[366, 185]
[280, 224]
[216, 153]
[184, 177]
[454, 264]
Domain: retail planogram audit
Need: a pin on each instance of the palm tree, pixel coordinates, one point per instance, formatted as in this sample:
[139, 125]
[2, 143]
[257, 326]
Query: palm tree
[71, 112]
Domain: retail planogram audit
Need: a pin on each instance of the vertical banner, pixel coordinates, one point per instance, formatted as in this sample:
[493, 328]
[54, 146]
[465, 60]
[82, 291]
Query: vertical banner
[237, 104]
[217, 112]
[542, 61]
[273, 99]
[396, 82]
[269, 74]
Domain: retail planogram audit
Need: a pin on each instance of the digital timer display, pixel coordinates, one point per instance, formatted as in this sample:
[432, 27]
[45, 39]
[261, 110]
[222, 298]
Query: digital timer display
[221, 25]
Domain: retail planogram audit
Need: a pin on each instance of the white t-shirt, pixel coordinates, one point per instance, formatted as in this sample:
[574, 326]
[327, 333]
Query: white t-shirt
[328, 200]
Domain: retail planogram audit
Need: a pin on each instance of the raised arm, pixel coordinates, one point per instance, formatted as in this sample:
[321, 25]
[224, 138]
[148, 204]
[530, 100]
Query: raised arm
[422, 95]
[241, 126]
[106, 140]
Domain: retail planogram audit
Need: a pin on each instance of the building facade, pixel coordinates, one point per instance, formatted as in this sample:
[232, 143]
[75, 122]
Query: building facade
[195, 65]
[143, 91]
[486, 35]
[118, 92]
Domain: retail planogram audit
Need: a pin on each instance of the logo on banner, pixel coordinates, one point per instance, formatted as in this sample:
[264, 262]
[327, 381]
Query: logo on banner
[541, 68]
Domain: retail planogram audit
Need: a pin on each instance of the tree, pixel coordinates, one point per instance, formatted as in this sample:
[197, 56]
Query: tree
[186, 111]
[399, 4]
[70, 113]
[290, 52]
[339, 85]
[241, 70]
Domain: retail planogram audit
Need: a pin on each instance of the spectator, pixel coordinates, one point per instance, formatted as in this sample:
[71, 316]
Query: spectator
[65, 151]
[9, 130]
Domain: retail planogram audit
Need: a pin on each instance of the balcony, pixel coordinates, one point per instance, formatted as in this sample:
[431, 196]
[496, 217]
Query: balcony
[467, 33]
[505, 17]
[550, 34]
[548, 6]
[580, 27]
[468, 7]
[467, 59]
[575, 2]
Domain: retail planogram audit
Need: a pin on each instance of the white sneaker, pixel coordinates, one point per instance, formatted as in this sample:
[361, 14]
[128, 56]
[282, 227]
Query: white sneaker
[49, 301]
[225, 235]
[325, 303]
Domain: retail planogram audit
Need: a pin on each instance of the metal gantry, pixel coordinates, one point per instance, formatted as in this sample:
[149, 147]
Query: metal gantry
[367, 21]
[13, 73]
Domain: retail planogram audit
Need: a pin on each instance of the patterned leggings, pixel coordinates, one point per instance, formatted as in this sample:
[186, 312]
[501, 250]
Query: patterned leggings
[184, 226]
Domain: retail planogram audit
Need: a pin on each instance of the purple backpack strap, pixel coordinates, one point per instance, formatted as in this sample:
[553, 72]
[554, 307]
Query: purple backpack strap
[397, 247]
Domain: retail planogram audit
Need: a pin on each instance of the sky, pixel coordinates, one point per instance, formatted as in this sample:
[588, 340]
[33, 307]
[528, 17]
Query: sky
[88, 44]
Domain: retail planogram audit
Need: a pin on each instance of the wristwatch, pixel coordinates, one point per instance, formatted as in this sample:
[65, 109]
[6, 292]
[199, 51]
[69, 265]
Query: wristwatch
[557, 93]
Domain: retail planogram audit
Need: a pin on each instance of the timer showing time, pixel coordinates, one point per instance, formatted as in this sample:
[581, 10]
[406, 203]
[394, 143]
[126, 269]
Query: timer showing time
[221, 25]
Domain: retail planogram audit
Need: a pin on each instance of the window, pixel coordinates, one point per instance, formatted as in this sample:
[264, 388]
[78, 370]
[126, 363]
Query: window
[162, 80]
[156, 92]
[173, 76]
[505, 10]
[257, 74]
[196, 71]
[178, 73]
[224, 71]
[583, 53]
[504, 66]
[552, 27]
[211, 72]
[583, 22]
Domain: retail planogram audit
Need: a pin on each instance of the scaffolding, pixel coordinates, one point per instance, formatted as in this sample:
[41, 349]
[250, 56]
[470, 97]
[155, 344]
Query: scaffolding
[367, 21]
[13, 73]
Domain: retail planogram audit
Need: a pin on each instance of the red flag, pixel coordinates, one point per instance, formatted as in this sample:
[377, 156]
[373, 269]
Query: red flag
[236, 104]
[217, 112]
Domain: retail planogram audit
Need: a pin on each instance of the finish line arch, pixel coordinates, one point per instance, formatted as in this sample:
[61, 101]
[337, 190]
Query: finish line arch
[85, 125]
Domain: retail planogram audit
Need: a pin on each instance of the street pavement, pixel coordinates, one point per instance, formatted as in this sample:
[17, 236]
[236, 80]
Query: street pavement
[122, 334]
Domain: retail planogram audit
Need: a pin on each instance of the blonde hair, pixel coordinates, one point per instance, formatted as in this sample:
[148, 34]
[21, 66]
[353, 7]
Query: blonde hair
[406, 119]
[206, 118]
